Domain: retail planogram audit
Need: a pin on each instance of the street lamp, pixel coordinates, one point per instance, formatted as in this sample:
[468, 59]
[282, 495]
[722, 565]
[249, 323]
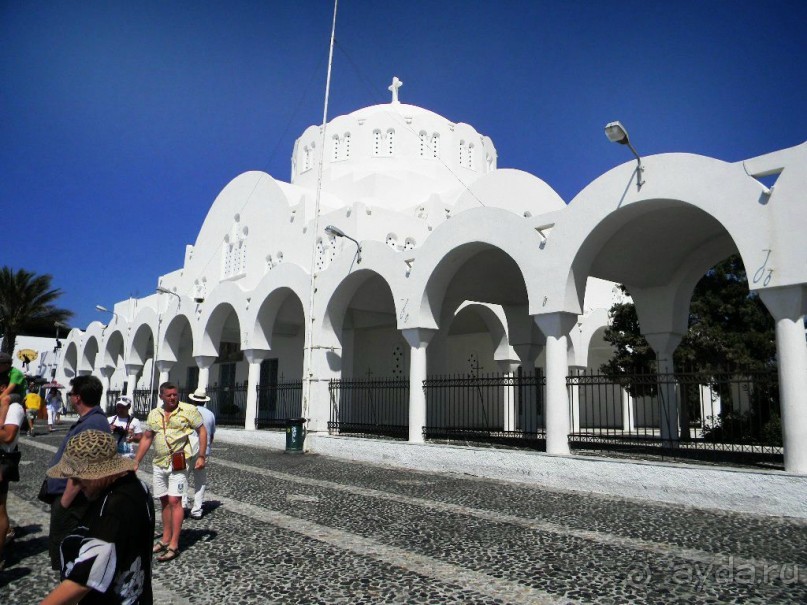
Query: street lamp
[105, 310]
[336, 232]
[616, 133]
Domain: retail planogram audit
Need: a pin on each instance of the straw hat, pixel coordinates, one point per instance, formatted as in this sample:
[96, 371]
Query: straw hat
[199, 396]
[90, 455]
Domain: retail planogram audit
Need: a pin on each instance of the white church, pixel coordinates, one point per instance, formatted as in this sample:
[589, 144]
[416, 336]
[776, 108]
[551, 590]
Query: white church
[399, 252]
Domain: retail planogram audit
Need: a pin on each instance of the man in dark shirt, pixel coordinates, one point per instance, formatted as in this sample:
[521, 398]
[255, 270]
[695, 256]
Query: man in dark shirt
[68, 504]
[107, 557]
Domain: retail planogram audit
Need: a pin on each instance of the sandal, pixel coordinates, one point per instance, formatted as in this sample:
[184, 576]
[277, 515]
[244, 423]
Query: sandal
[168, 555]
[159, 547]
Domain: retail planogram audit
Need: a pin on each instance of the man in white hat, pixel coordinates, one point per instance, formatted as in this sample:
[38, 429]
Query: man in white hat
[200, 398]
[109, 553]
[125, 427]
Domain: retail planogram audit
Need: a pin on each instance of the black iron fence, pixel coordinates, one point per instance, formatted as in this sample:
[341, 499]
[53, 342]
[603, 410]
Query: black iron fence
[370, 407]
[144, 401]
[728, 416]
[277, 402]
[228, 404]
[490, 408]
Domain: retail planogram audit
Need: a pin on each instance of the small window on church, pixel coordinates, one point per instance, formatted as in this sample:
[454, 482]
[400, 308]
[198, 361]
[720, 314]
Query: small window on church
[435, 145]
[469, 157]
[390, 141]
[307, 158]
[424, 145]
[341, 147]
[376, 143]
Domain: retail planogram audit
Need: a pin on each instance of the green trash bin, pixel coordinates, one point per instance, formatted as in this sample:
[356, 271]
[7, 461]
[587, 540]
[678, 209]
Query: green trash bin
[295, 435]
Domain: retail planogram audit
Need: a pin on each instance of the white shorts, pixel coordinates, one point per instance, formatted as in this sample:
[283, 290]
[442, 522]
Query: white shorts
[168, 482]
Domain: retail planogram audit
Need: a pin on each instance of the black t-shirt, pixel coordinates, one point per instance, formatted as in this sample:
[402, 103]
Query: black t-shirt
[110, 550]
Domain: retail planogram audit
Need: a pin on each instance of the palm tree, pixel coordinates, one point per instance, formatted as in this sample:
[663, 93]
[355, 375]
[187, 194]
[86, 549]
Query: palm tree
[26, 305]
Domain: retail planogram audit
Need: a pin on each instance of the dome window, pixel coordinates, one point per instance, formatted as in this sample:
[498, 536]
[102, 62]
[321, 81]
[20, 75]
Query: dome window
[466, 154]
[308, 157]
[435, 145]
[341, 147]
[390, 142]
[383, 143]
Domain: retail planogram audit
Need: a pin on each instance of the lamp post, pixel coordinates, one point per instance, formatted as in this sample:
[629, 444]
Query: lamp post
[103, 309]
[162, 290]
[336, 232]
[616, 133]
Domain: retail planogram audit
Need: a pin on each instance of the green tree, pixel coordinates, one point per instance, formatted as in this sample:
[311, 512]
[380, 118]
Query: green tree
[729, 327]
[27, 305]
[730, 333]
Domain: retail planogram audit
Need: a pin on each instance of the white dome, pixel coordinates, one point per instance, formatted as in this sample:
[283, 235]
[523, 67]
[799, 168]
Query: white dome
[392, 155]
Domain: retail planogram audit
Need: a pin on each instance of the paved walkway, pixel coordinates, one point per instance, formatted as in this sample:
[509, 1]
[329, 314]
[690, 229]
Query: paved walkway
[311, 529]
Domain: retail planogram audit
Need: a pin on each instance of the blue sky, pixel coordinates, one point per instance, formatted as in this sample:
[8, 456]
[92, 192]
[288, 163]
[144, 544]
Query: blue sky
[122, 120]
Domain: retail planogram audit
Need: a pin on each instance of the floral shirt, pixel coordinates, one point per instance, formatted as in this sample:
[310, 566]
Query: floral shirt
[110, 550]
[173, 433]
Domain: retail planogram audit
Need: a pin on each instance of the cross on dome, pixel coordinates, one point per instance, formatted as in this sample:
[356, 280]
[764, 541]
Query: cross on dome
[396, 84]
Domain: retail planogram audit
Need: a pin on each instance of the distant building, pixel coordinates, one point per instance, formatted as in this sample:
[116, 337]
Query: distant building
[35, 356]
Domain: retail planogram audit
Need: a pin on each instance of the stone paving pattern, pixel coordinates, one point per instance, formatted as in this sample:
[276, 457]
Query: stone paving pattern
[283, 528]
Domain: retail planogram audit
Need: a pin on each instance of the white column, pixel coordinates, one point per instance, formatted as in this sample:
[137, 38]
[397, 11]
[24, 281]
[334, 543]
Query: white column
[574, 400]
[418, 339]
[664, 345]
[509, 368]
[254, 358]
[556, 327]
[132, 370]
[628, 418]
[106, 374]
[203, 362]
[164, 367]
[787, 305]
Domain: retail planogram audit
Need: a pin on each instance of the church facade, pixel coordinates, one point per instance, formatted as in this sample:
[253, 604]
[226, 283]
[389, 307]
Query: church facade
[398, 249]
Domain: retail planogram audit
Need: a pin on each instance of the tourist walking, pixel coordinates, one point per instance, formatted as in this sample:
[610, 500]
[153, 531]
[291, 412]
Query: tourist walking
[126, 428]
[54, 403]
[13, 380]
[12, 417]
[169, 428]
[107, 557]
[200, 398]
[67, 503]
[33, 403]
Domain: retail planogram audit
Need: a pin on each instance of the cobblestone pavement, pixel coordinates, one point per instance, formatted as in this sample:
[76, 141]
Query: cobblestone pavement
[282, 528]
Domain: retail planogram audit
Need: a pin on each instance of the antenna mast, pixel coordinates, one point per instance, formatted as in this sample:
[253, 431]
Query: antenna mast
[309, 348]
